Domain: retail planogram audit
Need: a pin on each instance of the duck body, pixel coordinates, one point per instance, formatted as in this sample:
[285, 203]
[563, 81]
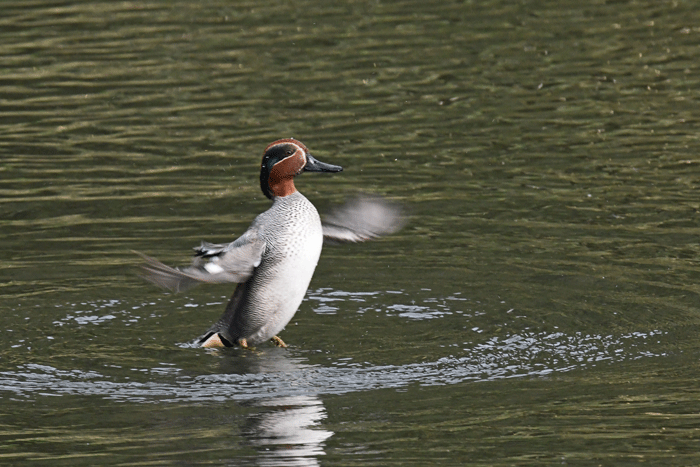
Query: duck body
[274, 260]
[263, 305]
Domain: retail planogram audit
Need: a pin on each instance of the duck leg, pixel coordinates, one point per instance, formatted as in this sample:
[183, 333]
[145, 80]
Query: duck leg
[278, 342]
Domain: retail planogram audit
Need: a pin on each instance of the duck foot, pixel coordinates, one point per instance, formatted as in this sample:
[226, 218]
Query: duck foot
[214, 342]
[278, 342]
[243, 343]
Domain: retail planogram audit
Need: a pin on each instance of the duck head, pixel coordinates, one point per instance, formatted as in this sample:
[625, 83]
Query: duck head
[285, 159]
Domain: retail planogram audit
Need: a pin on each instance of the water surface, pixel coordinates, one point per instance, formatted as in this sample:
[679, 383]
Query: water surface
[539, 308]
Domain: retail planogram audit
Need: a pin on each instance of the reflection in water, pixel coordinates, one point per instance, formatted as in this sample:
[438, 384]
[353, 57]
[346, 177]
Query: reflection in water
[287, 435]
[285, 430]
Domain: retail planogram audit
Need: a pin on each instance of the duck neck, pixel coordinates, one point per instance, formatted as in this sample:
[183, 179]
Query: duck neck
[281, 177]
[282, 187]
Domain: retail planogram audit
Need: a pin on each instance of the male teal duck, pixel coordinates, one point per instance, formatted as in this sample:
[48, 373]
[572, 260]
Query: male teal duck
[274, 260]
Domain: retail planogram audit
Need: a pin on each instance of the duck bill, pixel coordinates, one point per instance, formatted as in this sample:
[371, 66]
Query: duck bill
[315, 165]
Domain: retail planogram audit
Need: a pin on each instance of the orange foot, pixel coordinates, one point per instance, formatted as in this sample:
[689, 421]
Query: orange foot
[278, 342]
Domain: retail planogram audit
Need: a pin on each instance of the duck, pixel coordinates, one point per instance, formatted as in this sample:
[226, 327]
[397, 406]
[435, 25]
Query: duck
[274, 260]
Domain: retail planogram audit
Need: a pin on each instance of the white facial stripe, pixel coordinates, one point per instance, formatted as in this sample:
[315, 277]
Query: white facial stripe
[299, 149]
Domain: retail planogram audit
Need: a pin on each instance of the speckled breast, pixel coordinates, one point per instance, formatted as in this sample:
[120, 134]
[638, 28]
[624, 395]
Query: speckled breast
[294, 236]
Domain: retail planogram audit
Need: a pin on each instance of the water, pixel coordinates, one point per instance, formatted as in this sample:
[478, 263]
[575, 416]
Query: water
[539, 308]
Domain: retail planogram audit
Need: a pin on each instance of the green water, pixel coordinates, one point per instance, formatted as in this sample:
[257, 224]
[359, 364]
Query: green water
[539, 308]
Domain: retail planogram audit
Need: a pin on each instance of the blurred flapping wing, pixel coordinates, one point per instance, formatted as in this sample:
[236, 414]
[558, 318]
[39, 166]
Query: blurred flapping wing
[363, 218]
[215, 264]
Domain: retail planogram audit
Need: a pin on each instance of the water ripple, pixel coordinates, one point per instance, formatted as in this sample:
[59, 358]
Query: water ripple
[278, 373]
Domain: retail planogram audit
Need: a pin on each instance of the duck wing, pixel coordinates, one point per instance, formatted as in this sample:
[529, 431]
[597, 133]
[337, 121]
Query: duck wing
[214, 264]
[361, 219]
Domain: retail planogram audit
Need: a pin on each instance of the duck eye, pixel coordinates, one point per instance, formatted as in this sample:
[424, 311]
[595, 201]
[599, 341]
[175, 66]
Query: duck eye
[289, 152]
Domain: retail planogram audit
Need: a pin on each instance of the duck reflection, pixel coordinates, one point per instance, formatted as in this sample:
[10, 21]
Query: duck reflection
[286, 430]
[288, 433]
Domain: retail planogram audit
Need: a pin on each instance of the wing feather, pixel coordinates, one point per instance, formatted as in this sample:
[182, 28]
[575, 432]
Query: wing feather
[214, 264]
[363, 218]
